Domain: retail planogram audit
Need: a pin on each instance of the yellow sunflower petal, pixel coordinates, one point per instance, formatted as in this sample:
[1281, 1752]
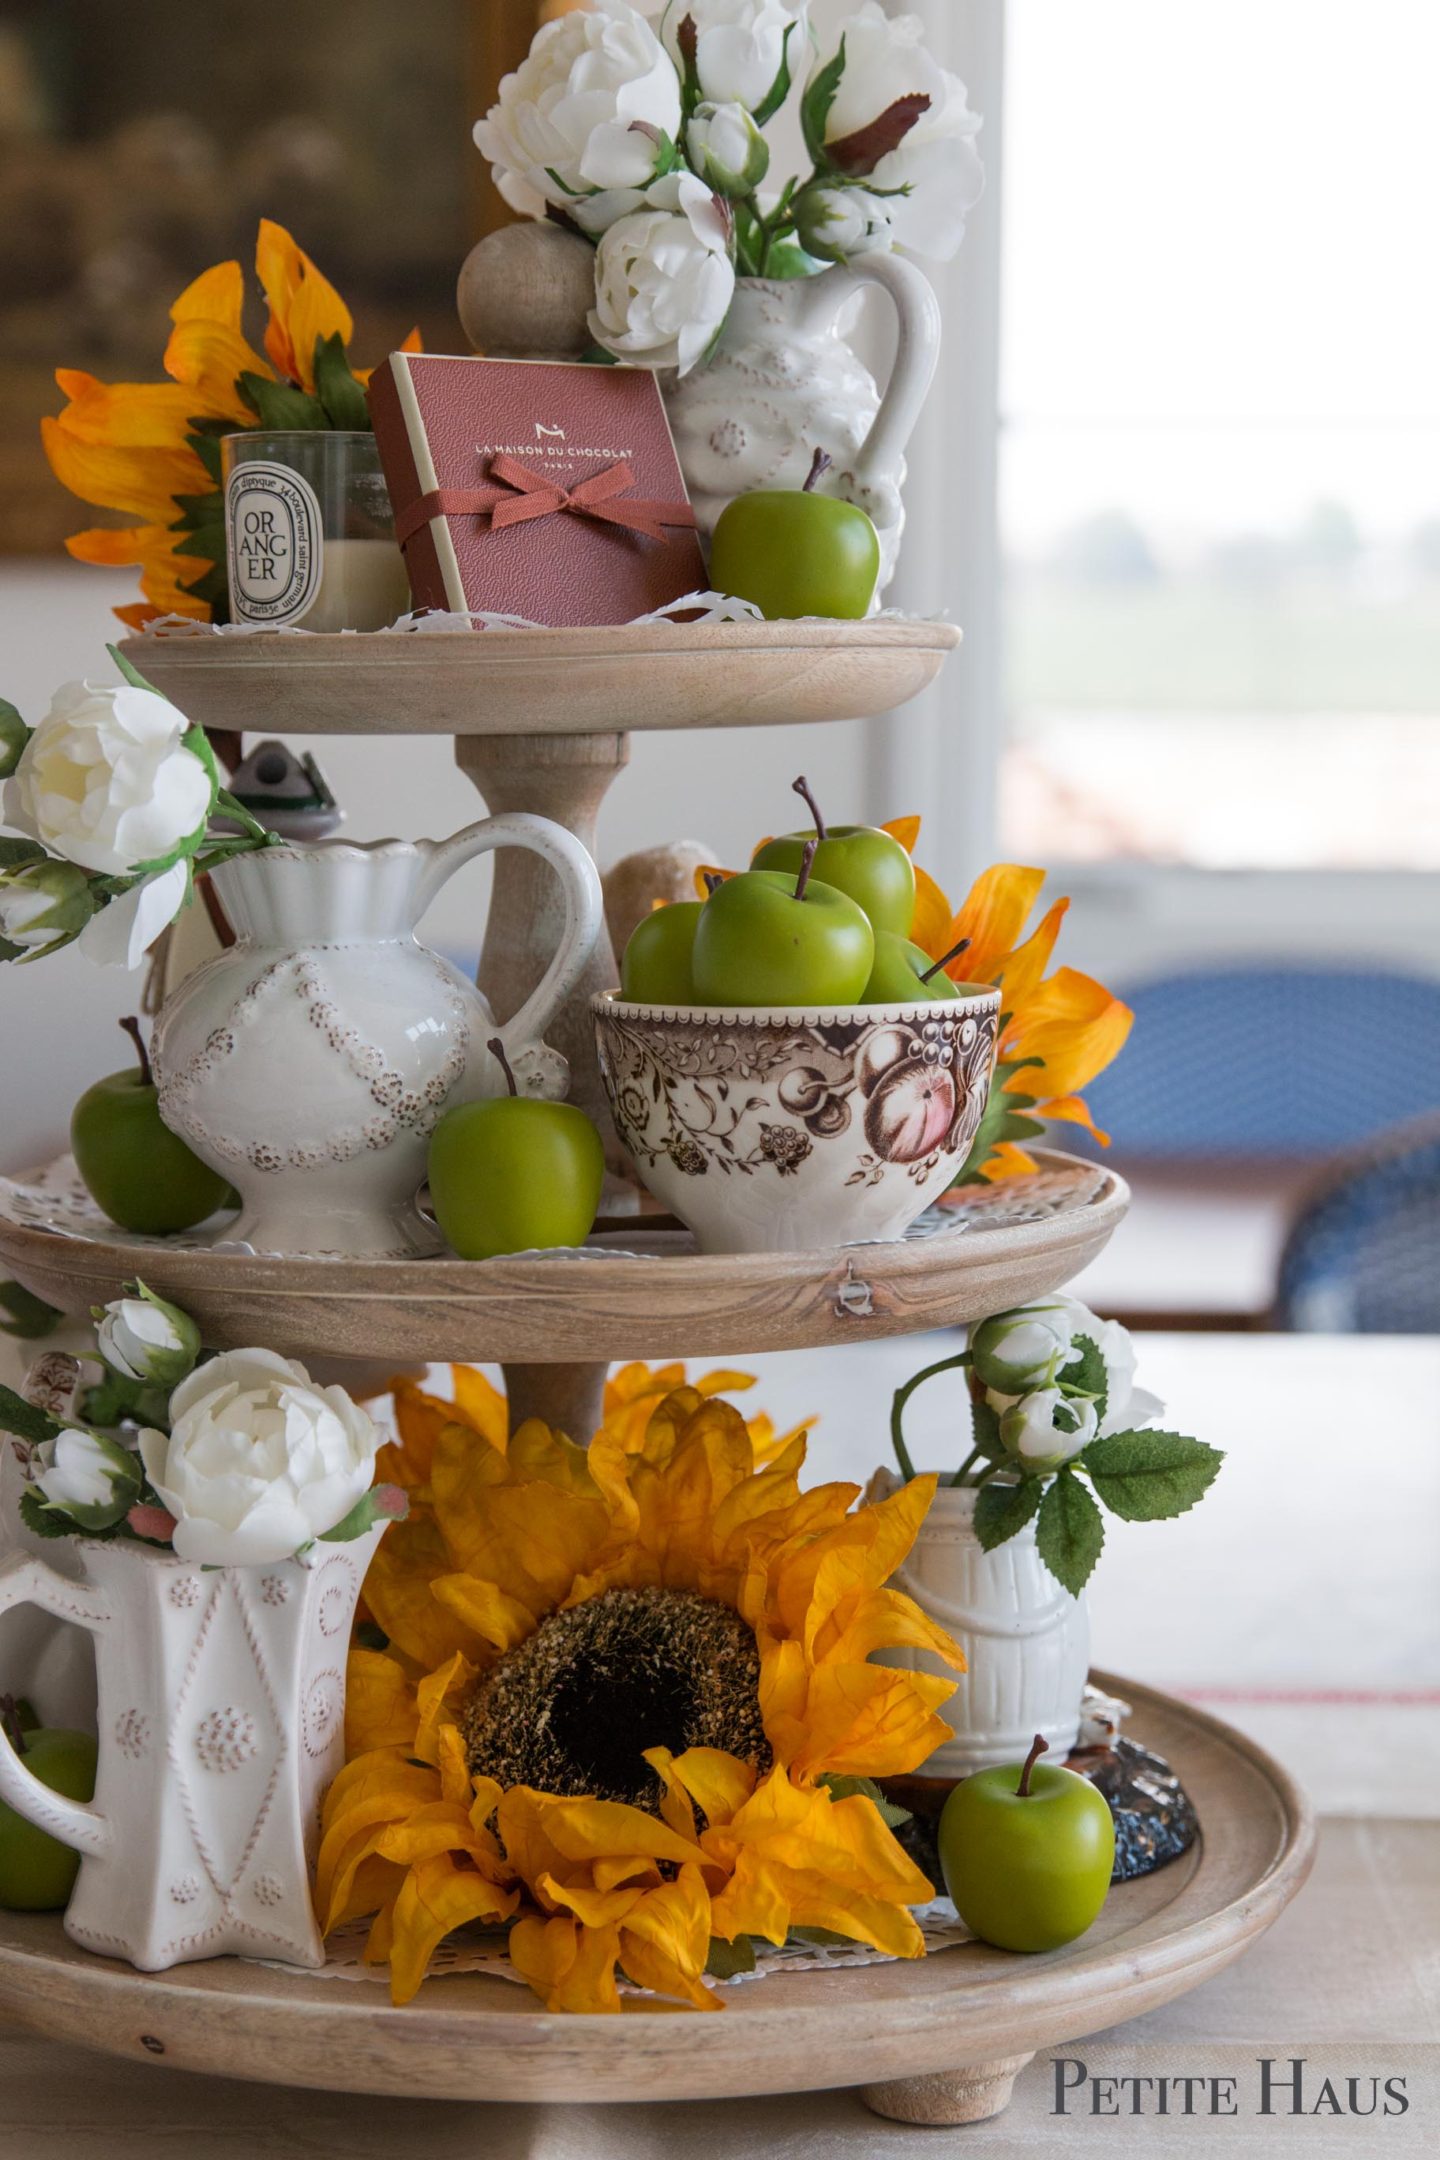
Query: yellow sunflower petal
[1025, 969]
[434, 1696]
[208, 358]
[379, 1703]
[1073, 1110]
[143, 481]
[994, 915]
[126, 416]
[930, 924]
[436, 1898]
[904, 829]
[303, 304]
[1075, 1026]
[486, 1609]
[568, 1966]
[217, 296]
[867, 1721]
[1006, 1160]
[719, 1783]
[398, 1593]
[477, 1400]
[665, 1940]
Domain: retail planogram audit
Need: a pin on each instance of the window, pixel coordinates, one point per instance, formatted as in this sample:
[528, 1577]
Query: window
[1220, 467]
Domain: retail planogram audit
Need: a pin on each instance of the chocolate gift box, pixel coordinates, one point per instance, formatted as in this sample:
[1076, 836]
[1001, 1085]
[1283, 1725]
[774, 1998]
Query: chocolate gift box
[545, 489]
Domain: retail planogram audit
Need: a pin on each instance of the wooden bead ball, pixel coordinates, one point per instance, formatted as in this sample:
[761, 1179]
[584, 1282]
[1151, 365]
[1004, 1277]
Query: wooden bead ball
[525, 292]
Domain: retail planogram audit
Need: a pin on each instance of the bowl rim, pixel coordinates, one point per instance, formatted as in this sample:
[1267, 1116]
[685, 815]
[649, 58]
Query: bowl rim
[609, 1004]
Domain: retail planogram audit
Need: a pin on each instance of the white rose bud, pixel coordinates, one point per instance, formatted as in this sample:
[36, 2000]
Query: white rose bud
[43, 905]
[88, 1477]
[836, 223]
[742, 48]
[565, 126]
[142, 1338]
[901, 121]
[106, 779]
[727, 149]
[259, 1461]
[1045, 1430]
[664, 279]
[1025, 1348]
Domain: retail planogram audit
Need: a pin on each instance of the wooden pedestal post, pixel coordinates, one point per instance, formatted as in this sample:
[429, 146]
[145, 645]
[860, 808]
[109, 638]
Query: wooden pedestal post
[949, 2096]
[568, 1398]
[564, 777]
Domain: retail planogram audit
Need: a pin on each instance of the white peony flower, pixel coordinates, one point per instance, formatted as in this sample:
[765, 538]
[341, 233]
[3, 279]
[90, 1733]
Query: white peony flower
[106, 780]
[836, 223]
[1045, 1430]
[743, 48]
[143, 1338]
[726, 149]
[935, 158]
[91, 1479]
[572, 120]
[43, 905]
[121, 933]
[259, 1461]
[664, 279]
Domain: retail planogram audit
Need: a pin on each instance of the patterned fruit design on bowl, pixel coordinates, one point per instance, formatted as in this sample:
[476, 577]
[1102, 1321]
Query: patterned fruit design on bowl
[777, 1130]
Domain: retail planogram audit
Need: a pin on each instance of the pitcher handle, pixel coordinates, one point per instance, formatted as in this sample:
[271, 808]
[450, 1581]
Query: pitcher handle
[24, 1580]
[584, 907]
[877, 463]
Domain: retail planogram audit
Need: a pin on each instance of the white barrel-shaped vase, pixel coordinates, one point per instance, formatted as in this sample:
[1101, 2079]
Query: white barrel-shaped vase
[1026, 1640]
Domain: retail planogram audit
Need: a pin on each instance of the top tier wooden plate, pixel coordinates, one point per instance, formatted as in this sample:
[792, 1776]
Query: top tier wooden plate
[546, 682]
[470, 2036]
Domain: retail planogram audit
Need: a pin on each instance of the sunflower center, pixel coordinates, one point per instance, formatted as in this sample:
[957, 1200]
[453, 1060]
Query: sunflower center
[573, 1709]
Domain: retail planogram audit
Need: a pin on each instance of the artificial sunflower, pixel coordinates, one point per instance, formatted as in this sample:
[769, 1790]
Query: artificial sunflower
[152, 450]
[629, 1689]
[1057, 1032]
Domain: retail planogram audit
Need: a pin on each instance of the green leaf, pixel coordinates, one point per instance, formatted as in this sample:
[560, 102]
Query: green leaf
[985, 1430]
[1002, 1511]
[40, 1520]
[336, 387]
[17, 953]
[1069, 1532]
[30, 1317]
[110, 1401]
[13, 737]
[789, 260]
[15, 853]
[1086, 1375]
[843, 1787]
[779, 90]
[726, 1959]
[24, 1420]
[371, 1636]
[207, 448]
[205, 541]
[214, 590]
[820, 95]
[1004, 1119]
[822, 1938]
[131, 673]
[1150, 1476]
[280, 405]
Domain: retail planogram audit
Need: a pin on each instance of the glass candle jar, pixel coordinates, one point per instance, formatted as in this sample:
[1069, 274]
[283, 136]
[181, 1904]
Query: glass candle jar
[309, 532]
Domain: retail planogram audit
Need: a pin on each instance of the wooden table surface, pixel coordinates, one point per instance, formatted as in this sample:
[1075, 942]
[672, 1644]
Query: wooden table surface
[1300, 1602]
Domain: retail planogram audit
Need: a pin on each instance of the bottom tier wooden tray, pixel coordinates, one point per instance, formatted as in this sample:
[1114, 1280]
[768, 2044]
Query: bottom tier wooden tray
[937, 2041]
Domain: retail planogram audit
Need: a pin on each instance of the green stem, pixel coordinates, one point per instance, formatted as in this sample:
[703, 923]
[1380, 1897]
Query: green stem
[900, 1400]
[967, 1466]
[260, 834]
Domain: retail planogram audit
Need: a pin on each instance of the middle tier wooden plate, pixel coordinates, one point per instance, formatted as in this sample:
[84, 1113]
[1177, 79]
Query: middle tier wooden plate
[546, 682]
[563, 1308]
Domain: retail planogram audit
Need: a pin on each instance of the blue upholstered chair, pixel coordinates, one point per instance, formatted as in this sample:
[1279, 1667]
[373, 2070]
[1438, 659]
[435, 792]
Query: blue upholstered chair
[1363, 1252]
[1269, 1061]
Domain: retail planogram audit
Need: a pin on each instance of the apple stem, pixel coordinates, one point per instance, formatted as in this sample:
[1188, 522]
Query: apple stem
[1038, 1747]
[497, 1051]
[801, 787]
[132, 1029]
[807, 864]
[945, 959]
[713, 882]
[10, 1723]
[819, 464]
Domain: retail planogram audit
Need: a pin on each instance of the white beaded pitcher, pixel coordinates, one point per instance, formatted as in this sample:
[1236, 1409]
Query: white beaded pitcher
[221, 1723]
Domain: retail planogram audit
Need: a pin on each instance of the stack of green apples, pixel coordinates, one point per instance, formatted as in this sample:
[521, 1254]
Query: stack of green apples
[820, 918]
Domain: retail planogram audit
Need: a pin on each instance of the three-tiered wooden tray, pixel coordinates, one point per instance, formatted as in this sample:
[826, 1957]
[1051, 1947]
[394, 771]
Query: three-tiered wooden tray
[541, 720]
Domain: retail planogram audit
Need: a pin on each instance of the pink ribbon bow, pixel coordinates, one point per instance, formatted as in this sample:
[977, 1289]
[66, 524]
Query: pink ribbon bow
[601, 496]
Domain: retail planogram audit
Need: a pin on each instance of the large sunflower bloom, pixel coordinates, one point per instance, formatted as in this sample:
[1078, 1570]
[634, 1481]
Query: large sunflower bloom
[151, 450]
[625, 1641]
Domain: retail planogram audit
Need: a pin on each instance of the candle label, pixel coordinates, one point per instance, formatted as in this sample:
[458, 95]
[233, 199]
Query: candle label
[274, 541]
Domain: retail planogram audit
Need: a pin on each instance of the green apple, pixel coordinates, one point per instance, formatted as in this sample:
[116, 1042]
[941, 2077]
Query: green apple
[861, 860]
[904, 972]
[768, 937]
[794, 552]
[37, 1872]
[134, 1167]
[656, 967]
[1027, 1851]
[514, 1174]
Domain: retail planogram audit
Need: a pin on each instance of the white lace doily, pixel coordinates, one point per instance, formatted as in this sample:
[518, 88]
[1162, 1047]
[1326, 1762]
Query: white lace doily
[473, 1950]
[712, 607]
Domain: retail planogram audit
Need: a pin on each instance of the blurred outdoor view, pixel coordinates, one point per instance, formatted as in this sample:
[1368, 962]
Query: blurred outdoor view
[1221, 449]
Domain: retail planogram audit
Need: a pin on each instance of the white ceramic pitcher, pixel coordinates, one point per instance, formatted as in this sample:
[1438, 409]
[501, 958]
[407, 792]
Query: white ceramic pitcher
[310, 1063]
[1026, 1640]
[783, 382]
[221, 1723]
